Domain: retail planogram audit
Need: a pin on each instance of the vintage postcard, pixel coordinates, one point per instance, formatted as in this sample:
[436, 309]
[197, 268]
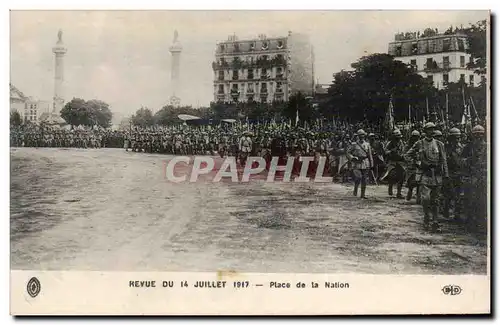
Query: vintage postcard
[249, 162]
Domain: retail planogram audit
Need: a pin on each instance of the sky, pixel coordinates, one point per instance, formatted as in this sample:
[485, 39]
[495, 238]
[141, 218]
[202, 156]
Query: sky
[122, 57]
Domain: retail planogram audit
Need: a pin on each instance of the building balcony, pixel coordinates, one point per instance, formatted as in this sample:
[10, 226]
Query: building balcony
[250, 92]
[279, 76]
[263, 92]
[279, 91]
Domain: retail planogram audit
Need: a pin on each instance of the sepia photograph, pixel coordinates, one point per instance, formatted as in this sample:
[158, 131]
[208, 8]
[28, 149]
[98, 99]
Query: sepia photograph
[282, 142]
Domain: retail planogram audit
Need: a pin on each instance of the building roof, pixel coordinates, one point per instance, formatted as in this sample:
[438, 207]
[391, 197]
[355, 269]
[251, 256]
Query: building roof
[16, 93]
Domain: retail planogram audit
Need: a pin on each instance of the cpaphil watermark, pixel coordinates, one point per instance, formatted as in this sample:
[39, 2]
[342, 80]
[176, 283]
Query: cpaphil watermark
[285, 169]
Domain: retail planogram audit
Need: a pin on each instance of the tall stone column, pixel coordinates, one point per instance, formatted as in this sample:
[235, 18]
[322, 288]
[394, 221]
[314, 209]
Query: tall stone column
[175, 51]
[59, 51]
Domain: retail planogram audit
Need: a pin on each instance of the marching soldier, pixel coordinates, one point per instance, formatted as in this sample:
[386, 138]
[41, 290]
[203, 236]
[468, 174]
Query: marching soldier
[245, 147]
[475, 163]
[431, 159]
[395, 171]
[411, 171]
[360, 154]
[453, 187]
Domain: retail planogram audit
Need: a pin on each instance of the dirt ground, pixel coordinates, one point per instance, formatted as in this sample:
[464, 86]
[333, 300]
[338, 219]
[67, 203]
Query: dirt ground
[107, 209]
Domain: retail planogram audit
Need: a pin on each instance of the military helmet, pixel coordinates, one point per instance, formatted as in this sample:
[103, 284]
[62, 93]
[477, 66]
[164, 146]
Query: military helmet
[478, 129]
[371, 135]
[415, 133]
[429, 125]
[396, 132]
[438, 133]
[455, 131]
[361, 132]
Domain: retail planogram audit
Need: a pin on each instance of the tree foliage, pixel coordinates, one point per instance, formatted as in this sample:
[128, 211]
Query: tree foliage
[89, 113]
[15, 118]
[365, 92]
[477, 46]
[143, 117]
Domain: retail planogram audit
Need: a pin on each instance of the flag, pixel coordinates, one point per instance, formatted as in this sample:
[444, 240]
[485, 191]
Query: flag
[390, 115]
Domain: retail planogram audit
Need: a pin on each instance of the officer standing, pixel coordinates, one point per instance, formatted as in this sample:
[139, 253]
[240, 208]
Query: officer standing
[431, 159]
[360, 154]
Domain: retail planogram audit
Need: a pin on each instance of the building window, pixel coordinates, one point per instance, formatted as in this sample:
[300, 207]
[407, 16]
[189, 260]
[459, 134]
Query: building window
[235, 87]
[461, 46]
[430, 79]
[471, 80]
[221, 75]
[414, 48]
[462, 77]
[221, 89]
[462, 61]
[252, 46]
[265, 45]
[263, 73]
[236, 47]
[398, 50]
[280, 44]
[263, 87]
[279, 87]
[446, 62]
[446, 44]
[250, 88]
[413, 63]
[235, 74]
[250, 74]
[279, 73]
[429, 63]
[221, 47]
[446, 79]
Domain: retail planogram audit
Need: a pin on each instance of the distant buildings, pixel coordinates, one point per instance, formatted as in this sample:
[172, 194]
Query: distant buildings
[441, 58]
[29, 109]
[263, 69]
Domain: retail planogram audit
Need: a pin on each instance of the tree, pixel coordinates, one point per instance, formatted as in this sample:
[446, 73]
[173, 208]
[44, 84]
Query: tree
[75, 112]
[298, 103]
[99, 112]
[143, 117]
[15, 118]
[477, 45]
[365, 92]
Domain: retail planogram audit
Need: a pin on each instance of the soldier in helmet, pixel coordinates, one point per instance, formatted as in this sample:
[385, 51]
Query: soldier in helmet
[395, 171]
[411, 169]
[430, 155]
[475, 184]
[245, 147]
[438, 135]
[453, 187]
[360, 154]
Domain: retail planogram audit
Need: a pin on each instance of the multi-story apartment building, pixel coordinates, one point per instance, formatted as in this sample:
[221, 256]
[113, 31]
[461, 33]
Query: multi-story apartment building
[263, 69]
[29, 109]
[441, 58]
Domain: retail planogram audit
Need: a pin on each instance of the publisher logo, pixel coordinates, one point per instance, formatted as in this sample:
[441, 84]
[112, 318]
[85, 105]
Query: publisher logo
[452, 290]
[33, 287]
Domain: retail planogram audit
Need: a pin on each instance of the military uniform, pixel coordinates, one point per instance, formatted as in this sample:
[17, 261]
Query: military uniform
[431, 159]
[360, 154]
[475, 156]
[452, 189]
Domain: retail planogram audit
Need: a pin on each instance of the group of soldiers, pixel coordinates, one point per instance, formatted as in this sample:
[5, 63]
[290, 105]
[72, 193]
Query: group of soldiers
[446, 172]
[46, 136]
[448, 175]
